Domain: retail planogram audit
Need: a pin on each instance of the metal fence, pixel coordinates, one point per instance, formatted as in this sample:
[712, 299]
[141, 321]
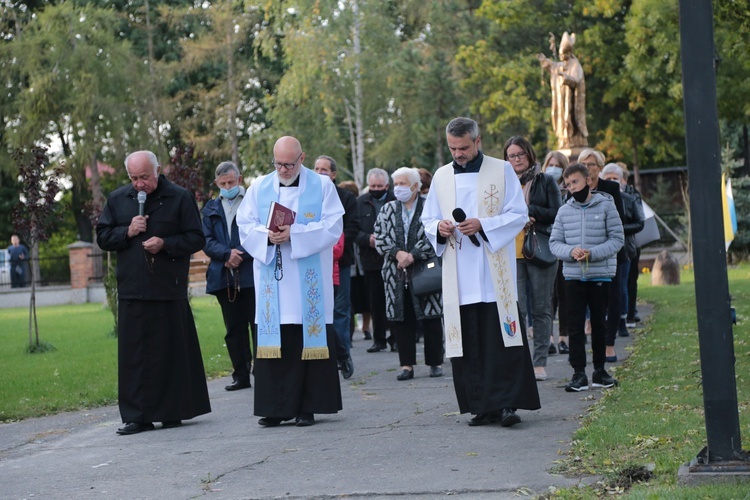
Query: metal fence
[102, 260]
[50, 271]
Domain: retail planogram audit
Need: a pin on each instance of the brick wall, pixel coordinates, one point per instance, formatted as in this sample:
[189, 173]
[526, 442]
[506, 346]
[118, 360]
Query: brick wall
[81, 264]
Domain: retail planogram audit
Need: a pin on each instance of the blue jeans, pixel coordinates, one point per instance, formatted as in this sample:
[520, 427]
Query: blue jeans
[342, 313]
[540, 283]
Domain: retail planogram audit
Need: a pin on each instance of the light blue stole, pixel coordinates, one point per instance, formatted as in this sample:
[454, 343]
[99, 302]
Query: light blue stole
[310, 206]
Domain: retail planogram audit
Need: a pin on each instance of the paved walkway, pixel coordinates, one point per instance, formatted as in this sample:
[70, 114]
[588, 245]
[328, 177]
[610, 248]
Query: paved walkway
[392, 439]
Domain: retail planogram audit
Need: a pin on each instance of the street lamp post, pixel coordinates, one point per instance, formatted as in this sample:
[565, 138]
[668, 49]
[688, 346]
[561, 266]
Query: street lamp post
[711, 283]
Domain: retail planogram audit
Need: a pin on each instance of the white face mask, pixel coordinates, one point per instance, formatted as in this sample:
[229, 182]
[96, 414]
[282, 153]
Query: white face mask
[402, 193]
[554, 172]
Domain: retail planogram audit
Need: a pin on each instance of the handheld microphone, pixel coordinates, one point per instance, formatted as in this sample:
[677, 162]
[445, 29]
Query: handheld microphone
[460, 216]
[141, 202]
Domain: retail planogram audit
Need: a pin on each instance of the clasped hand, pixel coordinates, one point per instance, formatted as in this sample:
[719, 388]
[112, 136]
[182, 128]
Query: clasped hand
[468, 227]
[280, 236]
[580, 254]
[235, 259]
[404, 259]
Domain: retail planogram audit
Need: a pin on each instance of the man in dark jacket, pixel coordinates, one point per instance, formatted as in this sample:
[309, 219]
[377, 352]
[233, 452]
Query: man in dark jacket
[342, 307]
[160, 368]
[230, 274]
[368, 206]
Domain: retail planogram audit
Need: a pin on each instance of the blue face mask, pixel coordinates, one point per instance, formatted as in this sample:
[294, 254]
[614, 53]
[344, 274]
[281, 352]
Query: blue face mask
[231, 193]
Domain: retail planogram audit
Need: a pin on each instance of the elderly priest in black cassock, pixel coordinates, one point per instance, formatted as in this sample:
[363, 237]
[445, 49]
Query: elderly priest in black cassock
[160, 368]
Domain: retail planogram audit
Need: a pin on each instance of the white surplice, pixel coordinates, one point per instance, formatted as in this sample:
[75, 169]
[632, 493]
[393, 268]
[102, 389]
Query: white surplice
[475, 282]
[305, 240]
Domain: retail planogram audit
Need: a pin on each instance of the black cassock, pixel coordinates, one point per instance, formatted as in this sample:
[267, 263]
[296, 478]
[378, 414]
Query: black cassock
[490, 376]
[161, 375]
[288, 386]
[160, 367]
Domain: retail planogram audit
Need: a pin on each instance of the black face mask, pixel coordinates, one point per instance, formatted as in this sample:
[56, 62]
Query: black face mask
[580, 196]
[377, 193]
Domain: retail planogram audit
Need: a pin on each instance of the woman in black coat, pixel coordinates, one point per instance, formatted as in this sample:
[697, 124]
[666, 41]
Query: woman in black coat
[537, 282]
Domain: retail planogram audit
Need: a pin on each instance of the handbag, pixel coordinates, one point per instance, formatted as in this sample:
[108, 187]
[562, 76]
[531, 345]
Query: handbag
[427, 276]
[536, 249]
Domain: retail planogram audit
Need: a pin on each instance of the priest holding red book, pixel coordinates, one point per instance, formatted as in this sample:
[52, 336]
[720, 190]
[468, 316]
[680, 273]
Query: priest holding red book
[296, 373]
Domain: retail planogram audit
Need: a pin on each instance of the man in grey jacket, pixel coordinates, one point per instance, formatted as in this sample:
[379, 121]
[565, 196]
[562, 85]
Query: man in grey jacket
[586, 236]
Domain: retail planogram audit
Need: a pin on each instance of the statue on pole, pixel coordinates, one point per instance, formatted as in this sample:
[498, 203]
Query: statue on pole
[568, 95]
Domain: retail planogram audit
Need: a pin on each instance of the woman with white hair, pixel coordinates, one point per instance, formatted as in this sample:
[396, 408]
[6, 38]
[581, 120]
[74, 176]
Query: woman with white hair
[401, 240]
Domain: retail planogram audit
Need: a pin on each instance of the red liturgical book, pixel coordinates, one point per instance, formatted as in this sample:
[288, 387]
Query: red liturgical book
[279, 215]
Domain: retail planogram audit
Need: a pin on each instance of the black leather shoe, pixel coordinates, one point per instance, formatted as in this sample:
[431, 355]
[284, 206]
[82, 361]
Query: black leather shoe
[377, 347]
[237, 385]
[134, 428]
[486, 418]
[269, 421]
[509, 418]
[171, 424]
[563, 347]
[367, 335]
[347, 367]
[405, 374]
[481, 419]
[305, 420]
[436, 371]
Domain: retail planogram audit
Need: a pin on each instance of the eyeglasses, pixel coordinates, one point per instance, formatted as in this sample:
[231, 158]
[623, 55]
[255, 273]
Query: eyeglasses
[287, 166]
[590, 165]
[518, 156]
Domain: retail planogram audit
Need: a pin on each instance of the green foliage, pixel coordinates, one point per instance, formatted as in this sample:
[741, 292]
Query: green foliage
[76, 82]
[510, 93]
[219, 103]
[105, 77]
[83, 371]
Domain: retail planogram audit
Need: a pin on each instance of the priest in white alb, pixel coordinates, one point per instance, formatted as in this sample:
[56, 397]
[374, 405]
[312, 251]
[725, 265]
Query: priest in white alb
[295, 371]
[474, 211]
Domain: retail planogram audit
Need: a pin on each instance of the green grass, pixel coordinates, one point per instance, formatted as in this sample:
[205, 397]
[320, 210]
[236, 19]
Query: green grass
[655, 419]
[82, 371]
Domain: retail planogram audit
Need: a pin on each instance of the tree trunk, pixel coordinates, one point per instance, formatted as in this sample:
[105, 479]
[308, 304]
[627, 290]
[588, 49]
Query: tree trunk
[153, 124]
[745, 153]
[96, 187]
[34, 271]
[358, 162]
[439, 138]
[352, 142]
[231, 97]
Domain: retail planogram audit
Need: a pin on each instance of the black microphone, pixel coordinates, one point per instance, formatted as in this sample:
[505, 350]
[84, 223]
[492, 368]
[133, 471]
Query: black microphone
[460, 216]
[141, 202]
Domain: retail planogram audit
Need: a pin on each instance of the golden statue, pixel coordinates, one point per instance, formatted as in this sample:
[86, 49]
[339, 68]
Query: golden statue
[568, 95]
